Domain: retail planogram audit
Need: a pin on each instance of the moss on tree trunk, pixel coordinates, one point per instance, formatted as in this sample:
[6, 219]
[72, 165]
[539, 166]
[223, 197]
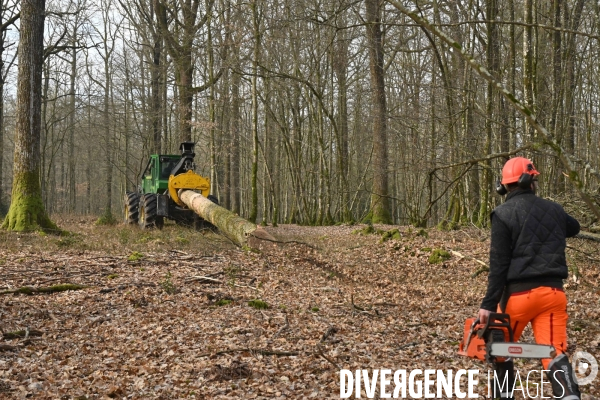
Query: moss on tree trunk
[26, 212]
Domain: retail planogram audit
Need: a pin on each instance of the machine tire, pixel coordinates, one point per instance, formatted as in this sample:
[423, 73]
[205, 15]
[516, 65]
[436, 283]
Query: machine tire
[132, 204]
[147, 214]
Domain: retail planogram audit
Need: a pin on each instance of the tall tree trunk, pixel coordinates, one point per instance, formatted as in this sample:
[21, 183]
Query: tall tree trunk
[380, 203]
[184, 76]
[27, 209]
[235, 142]
[512, 71]
[71, 149]
[211, 111]
[2, 77]
[2, 209]
[256, 25]
[528, 71]
[88, 168]
[493, 65]
[225, 195]
[340, 67]
[155, 77]
[108, 142]
[573, 24]
[180, 45]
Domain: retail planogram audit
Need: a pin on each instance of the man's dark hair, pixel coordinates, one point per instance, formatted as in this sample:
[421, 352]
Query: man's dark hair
[512, 186]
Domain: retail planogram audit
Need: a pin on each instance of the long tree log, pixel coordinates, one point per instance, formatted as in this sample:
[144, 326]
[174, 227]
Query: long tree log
[237, 229]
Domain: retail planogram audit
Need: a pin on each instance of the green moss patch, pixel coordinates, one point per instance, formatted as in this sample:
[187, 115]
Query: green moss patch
[107, 219]
[423, 232]
[367, 230]
[135, 256]
[258, 304]
[438, 256]
[391, 234]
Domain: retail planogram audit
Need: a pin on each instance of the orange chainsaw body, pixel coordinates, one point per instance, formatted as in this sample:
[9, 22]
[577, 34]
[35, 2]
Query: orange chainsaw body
[472, 344]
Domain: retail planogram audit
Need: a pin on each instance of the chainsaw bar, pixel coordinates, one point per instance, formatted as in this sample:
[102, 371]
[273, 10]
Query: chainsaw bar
[521, 350]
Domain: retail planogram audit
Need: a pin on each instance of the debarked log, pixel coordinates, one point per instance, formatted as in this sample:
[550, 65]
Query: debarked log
[239, 230]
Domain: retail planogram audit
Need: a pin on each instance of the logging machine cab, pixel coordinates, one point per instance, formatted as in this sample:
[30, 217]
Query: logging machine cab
[164, 177]
[155, 178]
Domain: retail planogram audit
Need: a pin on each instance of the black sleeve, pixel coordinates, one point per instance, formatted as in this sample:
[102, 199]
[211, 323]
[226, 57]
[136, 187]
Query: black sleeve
[573, 226]
[500, 256]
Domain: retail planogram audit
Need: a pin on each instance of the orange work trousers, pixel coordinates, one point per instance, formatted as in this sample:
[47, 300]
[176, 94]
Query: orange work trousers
[546, 309]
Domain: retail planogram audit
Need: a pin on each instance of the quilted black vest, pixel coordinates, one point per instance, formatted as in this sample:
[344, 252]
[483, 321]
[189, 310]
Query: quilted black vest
[538, 228]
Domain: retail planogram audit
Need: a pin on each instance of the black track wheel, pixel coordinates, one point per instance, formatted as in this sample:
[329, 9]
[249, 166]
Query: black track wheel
[148, 217]
[131, 207]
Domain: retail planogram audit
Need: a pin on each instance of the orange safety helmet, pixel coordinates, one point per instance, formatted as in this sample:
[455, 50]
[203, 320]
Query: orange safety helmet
[515, 168]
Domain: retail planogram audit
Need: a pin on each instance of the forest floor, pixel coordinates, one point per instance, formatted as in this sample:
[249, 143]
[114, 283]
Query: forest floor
[172, 314]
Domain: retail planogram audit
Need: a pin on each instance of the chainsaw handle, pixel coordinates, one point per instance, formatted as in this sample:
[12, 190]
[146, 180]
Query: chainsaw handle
[496, 320]
[471, 332]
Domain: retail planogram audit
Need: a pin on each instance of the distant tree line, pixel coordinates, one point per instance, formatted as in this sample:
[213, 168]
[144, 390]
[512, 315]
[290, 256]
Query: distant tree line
[309, 111]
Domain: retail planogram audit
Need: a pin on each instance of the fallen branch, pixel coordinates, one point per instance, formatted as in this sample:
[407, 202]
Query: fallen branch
[207, 279]
[456, 253]
[69, 277]
[360, 309]
[330, 332]
[588, 255]
[284, 327]
[320, 352]
[203, 279]
[407, 345]
[21, 334]
[50, 289]
[588, 236]
[480, 271]
[354, 305]
[7, 347]
[263, 352]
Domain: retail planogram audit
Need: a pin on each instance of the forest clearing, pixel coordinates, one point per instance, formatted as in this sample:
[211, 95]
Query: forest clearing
[336, 204]
[177, 313]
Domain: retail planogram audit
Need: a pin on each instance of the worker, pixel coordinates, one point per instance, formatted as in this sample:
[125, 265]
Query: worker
[527, 268]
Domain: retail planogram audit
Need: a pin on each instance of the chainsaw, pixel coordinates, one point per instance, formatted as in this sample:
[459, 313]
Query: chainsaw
[493, 341]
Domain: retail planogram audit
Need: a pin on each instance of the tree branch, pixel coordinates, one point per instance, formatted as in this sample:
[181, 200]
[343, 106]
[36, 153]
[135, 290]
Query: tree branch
[9, 22]
[215, 79]
[565, 158]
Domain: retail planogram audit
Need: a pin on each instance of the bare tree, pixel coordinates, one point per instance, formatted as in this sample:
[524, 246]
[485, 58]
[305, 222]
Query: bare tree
[8, 16]
[179, 26]
[380, 204]
[26, 209]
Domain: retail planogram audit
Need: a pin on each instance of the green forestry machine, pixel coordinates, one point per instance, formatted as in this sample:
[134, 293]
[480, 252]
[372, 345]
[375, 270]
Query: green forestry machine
[157, 197]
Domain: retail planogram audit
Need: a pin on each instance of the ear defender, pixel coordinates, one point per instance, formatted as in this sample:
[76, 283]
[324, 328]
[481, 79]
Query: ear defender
[526, 179]
[500, 188]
